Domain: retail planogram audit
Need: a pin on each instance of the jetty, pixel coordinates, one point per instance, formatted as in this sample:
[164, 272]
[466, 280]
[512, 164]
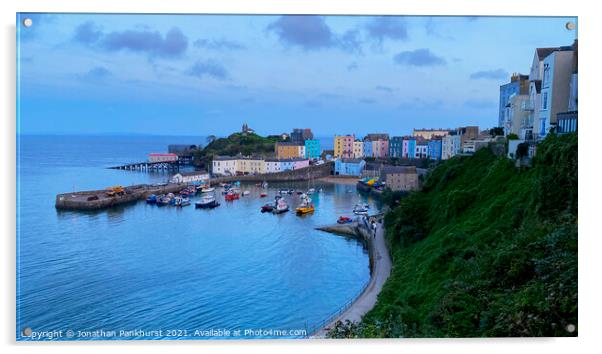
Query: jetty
[149, 166]
[380, 269]
[107, 198]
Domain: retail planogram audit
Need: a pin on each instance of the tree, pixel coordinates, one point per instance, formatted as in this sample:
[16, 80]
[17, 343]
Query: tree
[522, 150]
[497, 131]
[211, 138]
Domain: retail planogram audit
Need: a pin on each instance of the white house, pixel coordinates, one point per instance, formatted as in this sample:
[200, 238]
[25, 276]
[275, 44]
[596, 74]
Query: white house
[451, 145]
[224, 165]
[557, 72]
[272, 165]
[190, 177]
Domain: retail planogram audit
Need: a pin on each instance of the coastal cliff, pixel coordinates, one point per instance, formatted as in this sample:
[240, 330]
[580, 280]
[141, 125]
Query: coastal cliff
[485, 249]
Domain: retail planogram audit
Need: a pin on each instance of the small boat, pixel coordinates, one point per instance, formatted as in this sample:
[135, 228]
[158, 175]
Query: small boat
[311, 191]
[344, 220]
[281, 207]
[230, 196]
[306, 206]
[286, 191]
[263, 195]
[163, 200]
[264, 184]
[300, 193]
[207, 201]
[181, 201]
[207, 189]
[360, 209]
[245, 193]
[267, 208]
[152, 199]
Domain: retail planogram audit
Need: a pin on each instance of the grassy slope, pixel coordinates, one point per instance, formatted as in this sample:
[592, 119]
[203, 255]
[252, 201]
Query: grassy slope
[485, 249]
[237, 143]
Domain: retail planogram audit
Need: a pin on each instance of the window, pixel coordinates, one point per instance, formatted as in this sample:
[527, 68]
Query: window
[544, 101]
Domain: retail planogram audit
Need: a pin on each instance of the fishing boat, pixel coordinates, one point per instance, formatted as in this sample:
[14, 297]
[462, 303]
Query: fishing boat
[306, 206]
[230, 196]
[181, 201]
[207, 201]
[207, 189]
[152, 199]
[281, 207]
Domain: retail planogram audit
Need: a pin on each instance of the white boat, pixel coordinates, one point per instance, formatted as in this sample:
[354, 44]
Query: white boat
[207, 201]
[281, 207]
[360, 209]
[207, 189]
[311, 191]
[246, 193]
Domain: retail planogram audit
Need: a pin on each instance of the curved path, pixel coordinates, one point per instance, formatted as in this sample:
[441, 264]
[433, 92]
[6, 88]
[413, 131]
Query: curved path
[367, 299]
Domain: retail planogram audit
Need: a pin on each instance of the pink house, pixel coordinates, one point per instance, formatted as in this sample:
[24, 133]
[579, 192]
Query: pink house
[300, 163]
[380, 148]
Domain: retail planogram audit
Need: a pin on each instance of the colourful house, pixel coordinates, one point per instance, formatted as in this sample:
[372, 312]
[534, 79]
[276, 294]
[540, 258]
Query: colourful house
[434, 149]
[343, 146]
[312, 149]
[349, 167]
[421, 150]
[300, 163]
[288, 150]
[368, 149]
[380, 148]
[409, 148]
[396, 146]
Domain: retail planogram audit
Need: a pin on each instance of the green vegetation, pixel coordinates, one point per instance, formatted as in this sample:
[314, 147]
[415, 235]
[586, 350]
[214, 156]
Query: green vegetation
[237, 143]
[486, 249]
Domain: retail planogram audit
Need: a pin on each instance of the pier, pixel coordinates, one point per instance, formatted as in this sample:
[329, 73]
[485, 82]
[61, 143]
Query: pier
[380, 269]
[102, 199]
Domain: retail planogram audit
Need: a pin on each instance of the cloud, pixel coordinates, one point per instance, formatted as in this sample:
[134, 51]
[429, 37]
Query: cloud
[385, 89]
[218, 44]
[418, 57]
[208, 68]
[87, 33]
[95, 74]
[311, 32]
[496, 74]
[352, 66]
[387, 27]
[173, 44]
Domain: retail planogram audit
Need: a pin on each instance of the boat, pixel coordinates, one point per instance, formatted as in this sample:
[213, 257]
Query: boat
[163, 200]
[263, 195]
[245, 193]
[306, 206]
[152, 199]
[281, 207]
[269, 207]
[311, 191]
[181, 201]
[344, 220]
[264, 184]
[230, 196]
[360, 209]
[300, 193]
[286, 191]
[207, 201]
[207, 189]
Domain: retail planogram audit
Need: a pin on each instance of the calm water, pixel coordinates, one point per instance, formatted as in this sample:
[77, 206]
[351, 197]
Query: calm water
[141, 267]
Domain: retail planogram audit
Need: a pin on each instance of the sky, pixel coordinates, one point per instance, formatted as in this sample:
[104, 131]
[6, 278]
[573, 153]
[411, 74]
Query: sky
[208, 74]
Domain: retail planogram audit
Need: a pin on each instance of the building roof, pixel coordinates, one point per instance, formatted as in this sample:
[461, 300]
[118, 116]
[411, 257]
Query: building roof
[351, 160]
[398, 169]
[290, 143]
[225, 158]
[544, 52]
[161, 154]
[294, 159]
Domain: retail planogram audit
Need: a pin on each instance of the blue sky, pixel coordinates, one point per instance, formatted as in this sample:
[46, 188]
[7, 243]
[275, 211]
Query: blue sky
[207, 74]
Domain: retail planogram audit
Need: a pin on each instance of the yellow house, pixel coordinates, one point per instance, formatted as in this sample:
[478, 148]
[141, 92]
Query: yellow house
[343, 146]
[287, 150]
[250, 165]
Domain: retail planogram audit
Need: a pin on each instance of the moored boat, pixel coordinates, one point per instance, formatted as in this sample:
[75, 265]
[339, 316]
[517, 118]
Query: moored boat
[207, 189]
[207, 201]
[263, 195]
[152, 199]
[360, 209]
[281, 207]
[306, 206]
[230, 196]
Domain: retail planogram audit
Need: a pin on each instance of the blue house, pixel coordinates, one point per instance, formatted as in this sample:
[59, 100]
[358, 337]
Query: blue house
[518, 85]
[411, 148]
[287, 164]
[312, 149]
[368, 149]
[396, 146]
[349, 167]
[434, 150]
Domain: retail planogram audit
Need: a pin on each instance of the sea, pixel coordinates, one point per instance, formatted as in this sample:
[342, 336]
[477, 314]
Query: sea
[140, 271]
